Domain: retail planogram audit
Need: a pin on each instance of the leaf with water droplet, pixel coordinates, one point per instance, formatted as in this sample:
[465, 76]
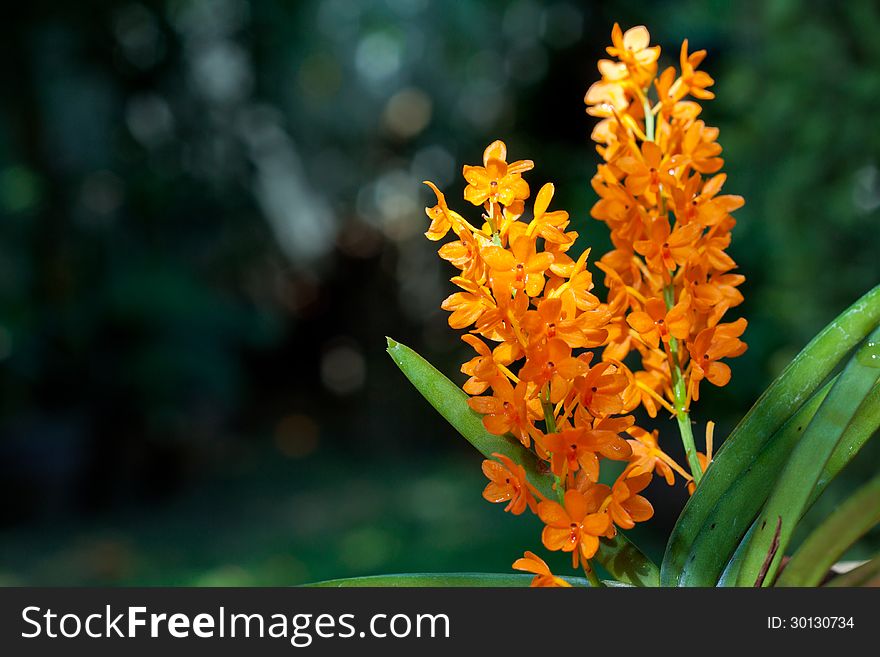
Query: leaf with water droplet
[869, 355]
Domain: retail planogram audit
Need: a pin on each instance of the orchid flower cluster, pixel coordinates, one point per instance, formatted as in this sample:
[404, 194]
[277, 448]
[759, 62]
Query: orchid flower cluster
[554, 365]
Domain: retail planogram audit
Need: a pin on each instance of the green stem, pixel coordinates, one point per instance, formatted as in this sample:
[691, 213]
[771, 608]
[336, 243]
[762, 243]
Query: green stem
[679, 391]
[490, 219]
[592, 577]
[550, 421]
[649, 118]
[549, 416]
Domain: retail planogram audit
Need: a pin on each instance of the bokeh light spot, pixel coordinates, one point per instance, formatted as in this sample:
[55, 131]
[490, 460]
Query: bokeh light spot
[378, 57]
[407, 113]
[296, 436]
[343, 369]
[366, 548]
[20, 189]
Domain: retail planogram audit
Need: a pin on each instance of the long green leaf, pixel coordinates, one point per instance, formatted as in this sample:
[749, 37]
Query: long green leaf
[792, 491]
[863, 426]
[830, 540]
[868, 574]
[619, 556]
[797, 383]
[451, 402]
[731, 572]
[737, 508]
[455, 580]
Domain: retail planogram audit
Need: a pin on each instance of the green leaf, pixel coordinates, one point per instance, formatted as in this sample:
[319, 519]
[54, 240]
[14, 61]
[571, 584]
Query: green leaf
[830, 540]
[864, 425]
[796, 384]
[868, 574]
[411, 580]
[737, 508]
[793, 490]
[451, 402]
[619, 556]
[731, 571]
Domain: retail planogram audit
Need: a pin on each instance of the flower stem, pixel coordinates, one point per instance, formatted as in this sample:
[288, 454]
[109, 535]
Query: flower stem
[549, 415]
[550, 421]
[592, 577]
[649, 119]
[679, 391]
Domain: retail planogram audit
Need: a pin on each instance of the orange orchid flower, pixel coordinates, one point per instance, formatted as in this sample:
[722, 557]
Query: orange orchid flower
[710, 345]
[712, 254]
[693, 80]
[532, 563]
[605, 98]
[633, 49]
[549, 225]
[701, 149]
[648, 457]
[547, 323]
[572, 451]
[600, 390]
[464, 253]
[551, 362]
[576, 526]
[508, 483]
[520, 268]
[713, 296]
[576, 449]
[482, 368]
[655, 323]
[627, 507]
[652, 383]
[699, 202]
[496, 180]
[505, 410]
[466, 307]
[649, 170]
[666, 248]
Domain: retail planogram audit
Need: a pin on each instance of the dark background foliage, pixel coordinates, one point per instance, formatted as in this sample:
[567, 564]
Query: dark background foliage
[211, 216]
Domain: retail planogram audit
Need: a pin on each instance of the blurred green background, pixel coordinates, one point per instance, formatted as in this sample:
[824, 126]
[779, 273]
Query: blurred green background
[211, 216]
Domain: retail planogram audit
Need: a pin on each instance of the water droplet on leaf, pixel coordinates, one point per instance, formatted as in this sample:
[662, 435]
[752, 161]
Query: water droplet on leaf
[869, 355]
